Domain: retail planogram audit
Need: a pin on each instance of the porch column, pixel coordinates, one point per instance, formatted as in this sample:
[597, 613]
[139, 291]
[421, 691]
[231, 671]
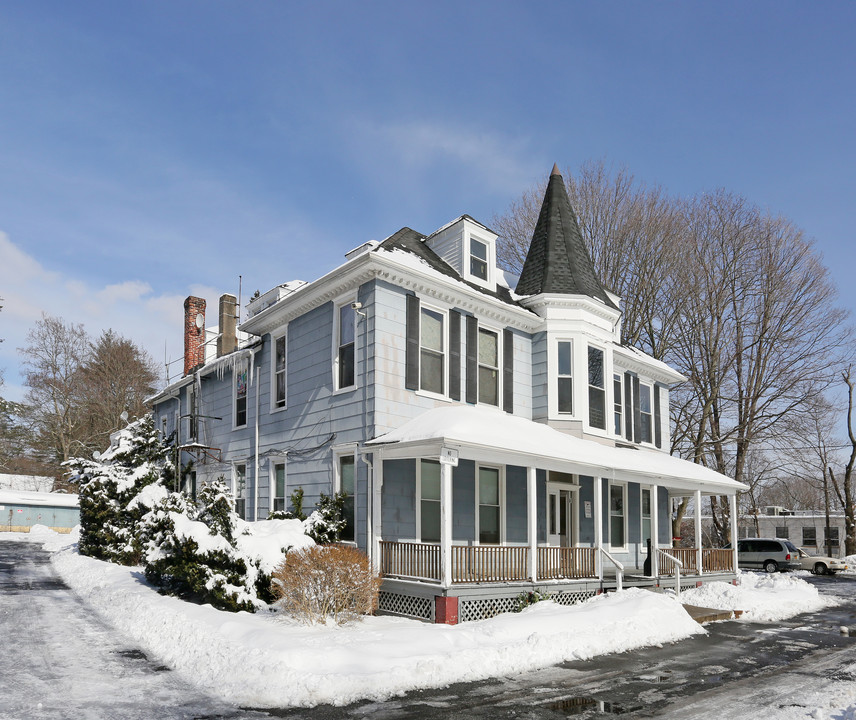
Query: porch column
[598, 528]
[376, 489]
[732, 501]
[698, 531]
[446, 524]
[655, 532]
[532, 521]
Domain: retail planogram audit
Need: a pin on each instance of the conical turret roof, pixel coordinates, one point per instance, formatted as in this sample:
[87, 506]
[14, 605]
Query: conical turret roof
[558, 261]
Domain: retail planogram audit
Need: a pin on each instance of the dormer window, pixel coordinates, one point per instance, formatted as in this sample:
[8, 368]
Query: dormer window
[597, 390]
[478, 259]
[565, 378]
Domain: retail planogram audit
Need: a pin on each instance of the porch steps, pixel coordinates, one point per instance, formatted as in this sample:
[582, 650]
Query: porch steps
[704, 615]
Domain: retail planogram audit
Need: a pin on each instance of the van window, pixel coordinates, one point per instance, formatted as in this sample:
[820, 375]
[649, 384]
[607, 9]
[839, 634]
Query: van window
[769, 546]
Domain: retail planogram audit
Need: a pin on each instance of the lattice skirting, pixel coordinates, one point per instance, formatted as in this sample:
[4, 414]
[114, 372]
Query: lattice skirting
[483, 608]
[407, 605]
[573, 598]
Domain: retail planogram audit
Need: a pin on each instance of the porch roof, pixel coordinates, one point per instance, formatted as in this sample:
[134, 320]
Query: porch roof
[488, 433]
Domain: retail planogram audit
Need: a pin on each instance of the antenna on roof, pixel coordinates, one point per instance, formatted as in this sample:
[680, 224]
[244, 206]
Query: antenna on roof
[240, 286]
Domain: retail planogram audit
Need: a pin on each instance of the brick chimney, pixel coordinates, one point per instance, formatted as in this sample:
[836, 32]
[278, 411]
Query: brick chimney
[194, 333]
[227, 341]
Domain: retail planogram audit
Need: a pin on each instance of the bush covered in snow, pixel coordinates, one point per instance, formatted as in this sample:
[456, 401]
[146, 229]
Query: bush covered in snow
[326, 522]
[326, 582]
[190, 550]
[118, 489]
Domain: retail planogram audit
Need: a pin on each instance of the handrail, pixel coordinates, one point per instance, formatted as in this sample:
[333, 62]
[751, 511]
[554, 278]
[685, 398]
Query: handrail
[619, 569]
[678, 566]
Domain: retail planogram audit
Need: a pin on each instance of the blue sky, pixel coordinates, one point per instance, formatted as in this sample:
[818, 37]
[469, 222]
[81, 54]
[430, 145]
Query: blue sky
[149, 150]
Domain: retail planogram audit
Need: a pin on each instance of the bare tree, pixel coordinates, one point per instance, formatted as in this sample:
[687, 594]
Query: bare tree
[54, 354]
[842, 482]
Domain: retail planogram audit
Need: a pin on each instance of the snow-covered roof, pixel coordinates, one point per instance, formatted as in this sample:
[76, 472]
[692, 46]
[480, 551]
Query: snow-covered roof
[22, 497]
[477, 427]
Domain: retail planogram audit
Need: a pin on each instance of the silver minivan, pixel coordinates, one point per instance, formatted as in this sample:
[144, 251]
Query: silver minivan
[769, 554]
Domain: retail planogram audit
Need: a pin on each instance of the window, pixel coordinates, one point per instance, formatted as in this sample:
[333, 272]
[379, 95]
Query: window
[782, 531]
[347, 485]
[345, 356]
[478, 259]
[432, 365]
[489, 516]
[645, 413]
[278, 499]
[239, 488]
[488, 367]
[597, 391]
[646, 516]
[278, 372]
[809, 536]
[617, 405]
[191, 413]
[240, 373]
[565, 378]
[831, 537]
[429, 501]
[616, 515]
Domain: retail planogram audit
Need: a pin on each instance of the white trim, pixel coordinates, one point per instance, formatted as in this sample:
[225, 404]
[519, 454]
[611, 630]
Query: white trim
[499, 363]
[418, 514]
[553, 379]
[643, 489]
[242, 364]
[500, 498]
[651, 428]
[605, 366]
[618, 377]
[340, 451]
[446, 351]
[234, 483]
[273, 461]
[274, 338]
[342, 301]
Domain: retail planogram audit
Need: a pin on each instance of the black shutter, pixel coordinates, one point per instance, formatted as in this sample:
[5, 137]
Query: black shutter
[472, 360]
[637, 412]
[628, 406]
[411, 352]
[507, 371]
[455, 355]
[658, 432]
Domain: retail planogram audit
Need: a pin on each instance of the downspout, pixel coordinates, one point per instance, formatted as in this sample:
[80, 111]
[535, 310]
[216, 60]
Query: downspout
[357, 307]
[369, 505]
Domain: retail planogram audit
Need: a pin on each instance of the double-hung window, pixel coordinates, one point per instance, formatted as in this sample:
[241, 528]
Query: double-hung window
[617, 403]
[809, 536]
[240, 377]
[239, 488]
[831, 537]
[278, 365]
[645, 413]
[565, 380]
[597, 389]
[432, 352]
[346, 353]
[278, 494]
[488, 367]
[429, 501]
[646, 516]
[347, 485]
[489, 508]
[616, 515]
[478, 259]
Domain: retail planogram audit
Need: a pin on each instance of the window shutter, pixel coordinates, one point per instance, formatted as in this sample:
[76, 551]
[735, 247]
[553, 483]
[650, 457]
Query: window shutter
[411, 352]
[455, 355]
[472, 359]
[658, 430]
[507, 371]
[628, 406]
[637, 412]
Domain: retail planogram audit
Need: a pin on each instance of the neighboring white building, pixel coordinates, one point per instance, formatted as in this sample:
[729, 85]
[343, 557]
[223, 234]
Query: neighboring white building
[27, 483]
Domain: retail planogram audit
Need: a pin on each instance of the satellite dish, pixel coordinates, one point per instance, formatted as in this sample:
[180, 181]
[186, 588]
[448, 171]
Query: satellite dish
[124, 416]
[96, 455]
[200, 320]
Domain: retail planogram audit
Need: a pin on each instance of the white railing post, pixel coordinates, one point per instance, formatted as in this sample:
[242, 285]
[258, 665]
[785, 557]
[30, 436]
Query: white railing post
[733, 506]
[699, 558]
[655, 532]
[678, 566]
[598, 528]
[446, 524]
[532, 521]
[619, 569]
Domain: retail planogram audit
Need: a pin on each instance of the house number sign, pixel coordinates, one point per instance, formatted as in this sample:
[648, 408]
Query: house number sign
[448, 456]
[587, 506]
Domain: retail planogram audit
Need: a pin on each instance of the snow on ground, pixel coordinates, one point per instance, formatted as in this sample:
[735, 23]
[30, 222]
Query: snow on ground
[763, 597]
[235, 656]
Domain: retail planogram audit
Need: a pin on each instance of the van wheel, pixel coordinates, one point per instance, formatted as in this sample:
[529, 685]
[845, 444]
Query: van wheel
[819, 569]
[770, 566]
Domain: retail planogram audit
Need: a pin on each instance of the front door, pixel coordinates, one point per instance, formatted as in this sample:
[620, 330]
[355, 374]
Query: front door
[560, 516]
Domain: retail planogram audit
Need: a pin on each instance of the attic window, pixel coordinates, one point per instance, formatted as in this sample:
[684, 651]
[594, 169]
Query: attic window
[478, 259]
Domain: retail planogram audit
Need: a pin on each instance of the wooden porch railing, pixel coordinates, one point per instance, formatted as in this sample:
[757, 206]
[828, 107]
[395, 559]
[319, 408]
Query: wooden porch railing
[558, 563]
[489, 563]
[717, 560]
[420, 561]
[687, 556]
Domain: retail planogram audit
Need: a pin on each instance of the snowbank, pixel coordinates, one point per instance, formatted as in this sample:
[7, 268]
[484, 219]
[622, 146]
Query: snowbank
[762, 597]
